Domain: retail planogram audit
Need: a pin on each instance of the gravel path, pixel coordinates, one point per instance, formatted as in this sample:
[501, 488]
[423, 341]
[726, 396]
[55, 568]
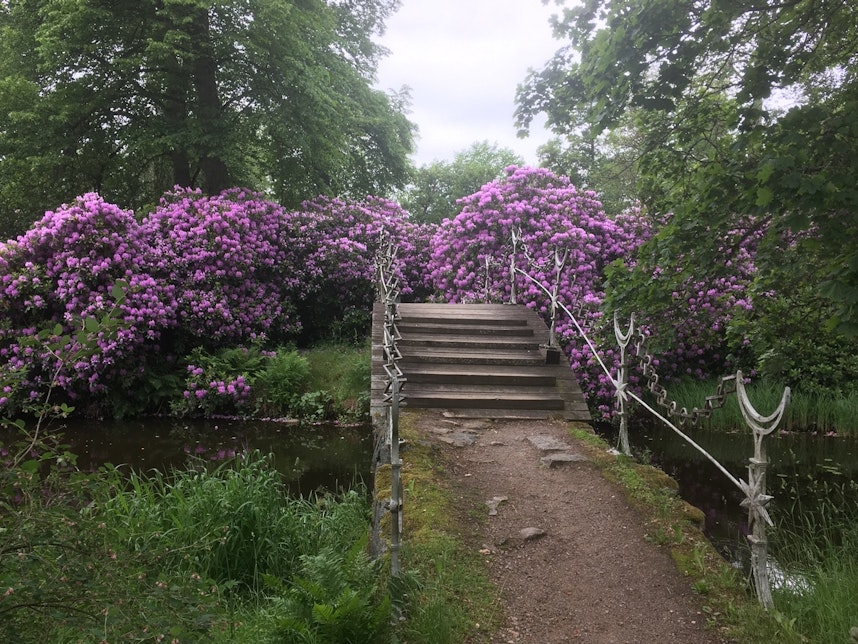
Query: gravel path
[563, 546]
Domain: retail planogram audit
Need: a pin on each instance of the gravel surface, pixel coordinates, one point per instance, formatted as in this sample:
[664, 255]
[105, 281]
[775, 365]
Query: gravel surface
[566, 551]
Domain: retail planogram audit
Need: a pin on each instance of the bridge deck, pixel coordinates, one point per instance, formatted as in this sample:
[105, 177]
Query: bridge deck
[478, 360]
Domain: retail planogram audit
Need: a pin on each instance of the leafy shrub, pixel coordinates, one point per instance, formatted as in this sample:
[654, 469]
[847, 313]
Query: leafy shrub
[334, 598]
[281, 382]
[219, 383]
[66, 268]
[314, 406]
[228, 261]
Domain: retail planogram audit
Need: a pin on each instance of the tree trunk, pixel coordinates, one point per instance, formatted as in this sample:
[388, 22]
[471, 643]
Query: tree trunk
[216, 176]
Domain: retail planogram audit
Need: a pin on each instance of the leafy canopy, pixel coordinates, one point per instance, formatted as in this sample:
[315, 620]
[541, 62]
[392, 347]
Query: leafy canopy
[745, 109]
[434, 189]
[130, 99]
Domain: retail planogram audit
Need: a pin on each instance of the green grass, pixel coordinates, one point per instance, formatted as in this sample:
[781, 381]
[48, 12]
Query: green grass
[823, 606]
[806, 412]
[201, 554]
[343, 372]
[817, 545]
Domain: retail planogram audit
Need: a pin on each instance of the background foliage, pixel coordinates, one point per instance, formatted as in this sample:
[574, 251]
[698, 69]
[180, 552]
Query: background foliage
[741, 110]
[434, 191]
[130, 99]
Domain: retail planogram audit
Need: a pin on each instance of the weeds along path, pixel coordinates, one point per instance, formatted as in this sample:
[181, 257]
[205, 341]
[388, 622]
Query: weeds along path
[569, 556]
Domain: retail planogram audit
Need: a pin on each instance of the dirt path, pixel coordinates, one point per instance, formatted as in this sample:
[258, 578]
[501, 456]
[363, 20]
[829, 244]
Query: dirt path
[587, 574]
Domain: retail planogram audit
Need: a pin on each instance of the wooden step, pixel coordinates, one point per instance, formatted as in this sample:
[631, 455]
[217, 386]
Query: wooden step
[478, 361]
[465, 342]
[480, 374]
[488, 398]
[437, 327]
[473, 356]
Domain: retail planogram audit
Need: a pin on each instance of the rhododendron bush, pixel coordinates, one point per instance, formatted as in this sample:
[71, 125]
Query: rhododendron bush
[213, 272]
[63, 271]
[231, 258]
[197, 272]
[346, 238]
[547, 213]
[471, 262]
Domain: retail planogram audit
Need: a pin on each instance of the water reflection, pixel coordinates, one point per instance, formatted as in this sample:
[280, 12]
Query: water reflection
[309, 457]
[805, 472]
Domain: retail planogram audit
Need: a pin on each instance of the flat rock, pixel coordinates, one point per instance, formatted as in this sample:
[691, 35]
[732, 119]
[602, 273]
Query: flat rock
[451, 418]
[529, 534]
[546, 443]
[494, 502]
[459, 438]
[559, 459]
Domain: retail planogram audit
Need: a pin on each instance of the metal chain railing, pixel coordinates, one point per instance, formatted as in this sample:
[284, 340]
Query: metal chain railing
[388, 294]
[756, 499]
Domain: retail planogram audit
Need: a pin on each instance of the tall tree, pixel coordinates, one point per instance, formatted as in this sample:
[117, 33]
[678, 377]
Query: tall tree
[606, 164]
[131, 98]
[746, 109]
[434, 189]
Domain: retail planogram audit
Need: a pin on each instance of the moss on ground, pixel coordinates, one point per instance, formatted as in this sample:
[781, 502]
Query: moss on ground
[451, 599]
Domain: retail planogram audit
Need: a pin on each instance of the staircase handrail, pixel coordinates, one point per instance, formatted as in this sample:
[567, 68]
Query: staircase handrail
[388, 294]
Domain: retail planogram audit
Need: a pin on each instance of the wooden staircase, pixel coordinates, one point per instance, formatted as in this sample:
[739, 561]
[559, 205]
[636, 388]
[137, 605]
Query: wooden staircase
[479, 361]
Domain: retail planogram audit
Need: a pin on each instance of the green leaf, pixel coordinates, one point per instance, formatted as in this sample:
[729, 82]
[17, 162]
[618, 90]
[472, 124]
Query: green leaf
[31, 466]
[118, 291]
[91, 325]
[764, 197]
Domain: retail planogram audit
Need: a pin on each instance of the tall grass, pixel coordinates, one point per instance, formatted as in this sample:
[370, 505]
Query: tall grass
[234, 523]
[818, 549]
[199, 554]
[806, 412]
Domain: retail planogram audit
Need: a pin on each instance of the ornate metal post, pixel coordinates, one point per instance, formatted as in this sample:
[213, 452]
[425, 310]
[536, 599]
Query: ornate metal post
[756, 498]
[622, 382]
[513, 295]
[559, 265]
[388, 286]
[395, 504]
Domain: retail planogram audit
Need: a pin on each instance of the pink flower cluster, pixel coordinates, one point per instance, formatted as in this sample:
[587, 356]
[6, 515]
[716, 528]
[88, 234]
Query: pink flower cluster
[348, 235]
[546, 212]
[62, 271]
[227, 257]
[201, 271]
[213, 396]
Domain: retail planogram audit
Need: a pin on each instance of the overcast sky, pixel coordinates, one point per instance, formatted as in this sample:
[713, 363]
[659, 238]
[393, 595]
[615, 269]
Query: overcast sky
[462, 60]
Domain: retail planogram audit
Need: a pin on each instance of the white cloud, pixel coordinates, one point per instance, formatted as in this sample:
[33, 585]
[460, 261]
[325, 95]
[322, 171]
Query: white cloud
[462, 60]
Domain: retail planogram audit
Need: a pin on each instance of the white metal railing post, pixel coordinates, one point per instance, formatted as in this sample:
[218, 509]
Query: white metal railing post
[395, 505]
[622, 383]
[513, 295]
[559, 265]
[756, 498]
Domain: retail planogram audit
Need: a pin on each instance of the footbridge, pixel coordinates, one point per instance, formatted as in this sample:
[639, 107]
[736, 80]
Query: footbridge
[478, 361]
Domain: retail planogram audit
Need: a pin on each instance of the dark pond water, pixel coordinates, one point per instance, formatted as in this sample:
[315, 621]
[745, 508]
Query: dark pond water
[309, 457]
[806, 473]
